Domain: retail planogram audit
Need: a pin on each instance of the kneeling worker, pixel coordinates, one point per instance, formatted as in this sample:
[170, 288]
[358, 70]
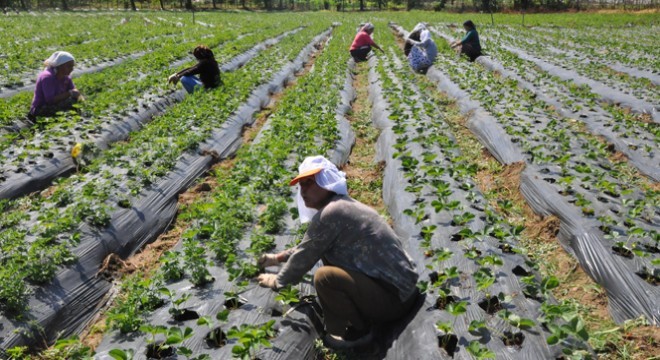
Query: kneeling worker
[366, 278]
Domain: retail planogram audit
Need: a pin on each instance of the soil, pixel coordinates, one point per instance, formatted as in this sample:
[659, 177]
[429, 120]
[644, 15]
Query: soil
[361, 166]
[218, 340]
[449, 343]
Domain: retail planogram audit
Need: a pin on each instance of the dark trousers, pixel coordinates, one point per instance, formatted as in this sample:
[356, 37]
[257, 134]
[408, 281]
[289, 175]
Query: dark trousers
[361, 53]
[471, 52]
[51, 110]
[352, 298]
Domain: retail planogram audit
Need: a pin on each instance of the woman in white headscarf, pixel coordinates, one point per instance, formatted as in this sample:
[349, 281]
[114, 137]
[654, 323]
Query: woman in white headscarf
[420, 49]
[55, 90]
[366, 278]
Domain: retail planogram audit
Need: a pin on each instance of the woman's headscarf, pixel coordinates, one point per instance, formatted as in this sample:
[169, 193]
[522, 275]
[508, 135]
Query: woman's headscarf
[58, 58]
[425, 35]
[368, 27]
[326, 176]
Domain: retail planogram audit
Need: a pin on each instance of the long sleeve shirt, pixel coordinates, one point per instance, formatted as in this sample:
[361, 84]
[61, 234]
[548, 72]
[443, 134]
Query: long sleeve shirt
[48, 87]
[208, 71]
[472, 39]
[350, 235]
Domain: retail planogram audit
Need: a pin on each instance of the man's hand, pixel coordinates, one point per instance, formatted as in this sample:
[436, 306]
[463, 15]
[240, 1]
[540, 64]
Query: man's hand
[267, 260]
[173, 79]
[268, 280]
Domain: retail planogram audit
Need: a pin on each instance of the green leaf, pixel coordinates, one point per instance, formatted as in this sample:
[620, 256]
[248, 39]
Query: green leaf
[118, 354]
[222, 315]
[184, 351]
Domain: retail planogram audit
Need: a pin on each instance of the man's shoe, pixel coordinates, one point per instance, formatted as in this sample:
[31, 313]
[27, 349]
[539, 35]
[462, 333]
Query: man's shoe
[352, 338]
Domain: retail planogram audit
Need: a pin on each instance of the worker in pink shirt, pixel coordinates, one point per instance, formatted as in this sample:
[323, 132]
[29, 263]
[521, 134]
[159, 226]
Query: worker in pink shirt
[54, 90]
[363, 42]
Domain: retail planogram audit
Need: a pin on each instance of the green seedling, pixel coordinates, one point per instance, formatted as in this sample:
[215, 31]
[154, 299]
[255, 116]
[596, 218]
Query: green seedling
[215, 337]
[251, 338]
[288, 295]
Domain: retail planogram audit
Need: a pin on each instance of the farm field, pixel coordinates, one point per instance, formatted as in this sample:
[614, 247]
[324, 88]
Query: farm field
[524, 185]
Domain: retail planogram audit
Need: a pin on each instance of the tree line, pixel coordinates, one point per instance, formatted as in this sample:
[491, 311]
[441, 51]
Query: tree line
[331, 5]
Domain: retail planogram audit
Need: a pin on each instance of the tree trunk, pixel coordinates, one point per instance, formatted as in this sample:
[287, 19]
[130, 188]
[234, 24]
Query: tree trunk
[361, 5]
[161, 5]
[133, 5]
[65, 6]
[188, 4]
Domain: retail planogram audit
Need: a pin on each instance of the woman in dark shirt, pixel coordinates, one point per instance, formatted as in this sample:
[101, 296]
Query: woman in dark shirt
[206, 67]
[470, 44]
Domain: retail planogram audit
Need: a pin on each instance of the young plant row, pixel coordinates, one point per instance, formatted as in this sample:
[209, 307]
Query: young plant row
[469, 249]
[641, 88]
[38, 231]
[237, 222]
[574, 162]
[640, 135]
[626, 132]
[106, 37]
[49, 150]
[615, 47]
[133, 84]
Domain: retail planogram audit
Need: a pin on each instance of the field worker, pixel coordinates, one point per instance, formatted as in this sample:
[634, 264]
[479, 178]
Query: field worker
[363, 42]
[366, 278]
[422, 50]
[55, 90]
[206, 67]
[470, 44]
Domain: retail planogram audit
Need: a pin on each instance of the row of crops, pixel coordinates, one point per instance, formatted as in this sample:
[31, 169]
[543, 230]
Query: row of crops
[589, 160]
[124, 196]
[483, 297]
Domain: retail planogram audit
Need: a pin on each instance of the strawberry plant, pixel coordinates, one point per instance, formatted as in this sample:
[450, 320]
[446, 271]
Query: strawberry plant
[250, 339]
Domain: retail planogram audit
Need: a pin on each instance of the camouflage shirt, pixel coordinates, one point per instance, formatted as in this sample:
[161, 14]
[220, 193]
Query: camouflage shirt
[352, 236]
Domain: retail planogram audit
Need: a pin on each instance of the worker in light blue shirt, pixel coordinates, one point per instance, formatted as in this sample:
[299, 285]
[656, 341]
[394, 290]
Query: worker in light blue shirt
[420, 49]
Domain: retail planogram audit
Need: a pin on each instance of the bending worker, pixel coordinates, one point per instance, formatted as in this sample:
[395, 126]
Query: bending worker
[363, 42]
[470, 44]
[55, 90]
[366, 278]
[420, 49]
[206, 67]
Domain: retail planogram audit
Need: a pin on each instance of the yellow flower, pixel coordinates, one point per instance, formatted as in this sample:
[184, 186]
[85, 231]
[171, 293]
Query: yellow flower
[76, 151]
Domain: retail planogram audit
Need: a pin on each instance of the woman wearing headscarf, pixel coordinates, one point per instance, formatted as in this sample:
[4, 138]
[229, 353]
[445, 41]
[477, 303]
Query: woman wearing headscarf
[420, 49]
[206, 67]
[55, 90]
[470, 44]
[363, 42]
[366, 278]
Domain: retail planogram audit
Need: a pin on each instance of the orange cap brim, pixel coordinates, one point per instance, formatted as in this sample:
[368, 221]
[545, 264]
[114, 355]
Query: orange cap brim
[304, 175]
